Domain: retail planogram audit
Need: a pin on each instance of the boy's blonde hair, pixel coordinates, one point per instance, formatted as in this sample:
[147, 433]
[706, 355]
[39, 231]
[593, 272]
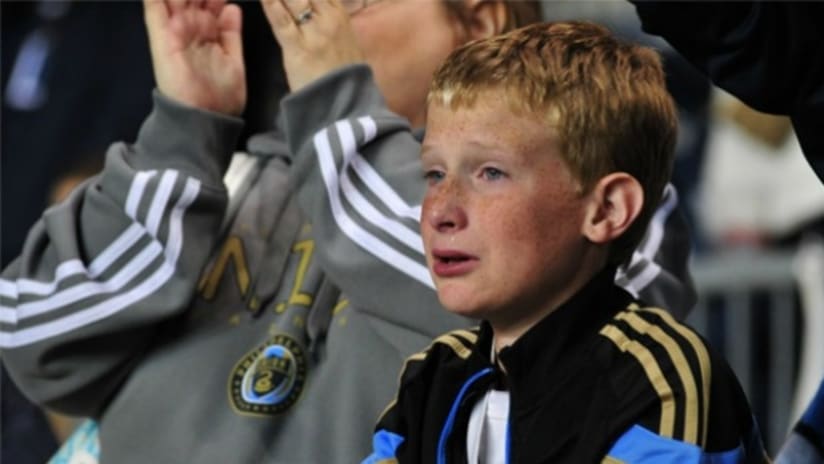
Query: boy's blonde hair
[606, 100]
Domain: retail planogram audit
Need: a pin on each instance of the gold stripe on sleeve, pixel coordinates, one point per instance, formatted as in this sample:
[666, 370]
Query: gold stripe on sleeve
[472, 337]
[653, 372]
[415, 357]
[453, 342]
[449, 339]
[703, 361]
[612, 460]
[676, 354]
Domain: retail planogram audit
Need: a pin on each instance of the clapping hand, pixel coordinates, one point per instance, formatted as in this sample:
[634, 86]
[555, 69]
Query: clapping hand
[315, 37]
[197, 53]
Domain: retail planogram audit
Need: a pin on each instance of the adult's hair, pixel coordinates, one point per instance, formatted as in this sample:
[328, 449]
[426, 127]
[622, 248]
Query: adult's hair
[604, 98]
[519, 13]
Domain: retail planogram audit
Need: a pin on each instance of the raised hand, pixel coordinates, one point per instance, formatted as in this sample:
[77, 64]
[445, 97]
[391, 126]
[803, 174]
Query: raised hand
[315, 38]
[197, 53]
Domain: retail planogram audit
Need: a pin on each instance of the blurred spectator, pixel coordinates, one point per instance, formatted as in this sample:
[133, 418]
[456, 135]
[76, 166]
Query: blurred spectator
[757, 188]
[75, 76]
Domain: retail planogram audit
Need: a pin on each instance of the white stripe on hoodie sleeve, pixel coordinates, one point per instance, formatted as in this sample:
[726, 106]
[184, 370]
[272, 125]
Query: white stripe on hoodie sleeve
[55, 298]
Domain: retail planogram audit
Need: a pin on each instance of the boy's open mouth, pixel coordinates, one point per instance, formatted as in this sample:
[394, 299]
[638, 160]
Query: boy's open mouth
[449, 257]
[452, 263]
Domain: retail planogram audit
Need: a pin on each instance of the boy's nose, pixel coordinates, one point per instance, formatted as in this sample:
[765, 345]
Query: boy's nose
[443, 211]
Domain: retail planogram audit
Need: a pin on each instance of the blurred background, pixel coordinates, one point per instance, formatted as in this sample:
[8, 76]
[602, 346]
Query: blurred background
[76, 76]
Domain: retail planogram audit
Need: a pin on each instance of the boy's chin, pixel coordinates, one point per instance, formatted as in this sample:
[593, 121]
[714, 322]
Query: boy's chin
[462, 307]
[469, 314]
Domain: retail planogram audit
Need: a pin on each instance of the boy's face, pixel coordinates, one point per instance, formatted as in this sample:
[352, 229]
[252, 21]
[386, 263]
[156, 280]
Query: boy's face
[502, 215]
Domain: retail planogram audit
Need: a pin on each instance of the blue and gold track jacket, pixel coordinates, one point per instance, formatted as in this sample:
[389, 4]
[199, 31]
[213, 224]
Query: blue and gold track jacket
[601, 379]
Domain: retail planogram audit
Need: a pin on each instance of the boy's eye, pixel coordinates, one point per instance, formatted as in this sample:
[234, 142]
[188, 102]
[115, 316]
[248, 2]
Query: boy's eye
[490, 173]
[433, 176]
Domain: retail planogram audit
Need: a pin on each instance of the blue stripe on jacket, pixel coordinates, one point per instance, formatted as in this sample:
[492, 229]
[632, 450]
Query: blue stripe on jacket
[641, 446]
[384, 446]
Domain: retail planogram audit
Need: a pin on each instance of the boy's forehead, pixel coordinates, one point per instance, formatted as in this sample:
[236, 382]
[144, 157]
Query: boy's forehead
[487, 124]
[506, 97]
[497, 104]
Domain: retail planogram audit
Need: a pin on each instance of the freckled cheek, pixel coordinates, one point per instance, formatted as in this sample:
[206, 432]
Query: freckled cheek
[431, 206]
[544, 220]
[527, 227]
[508, 221]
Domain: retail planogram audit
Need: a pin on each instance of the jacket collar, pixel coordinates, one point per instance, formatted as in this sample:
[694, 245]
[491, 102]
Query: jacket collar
[542, 348]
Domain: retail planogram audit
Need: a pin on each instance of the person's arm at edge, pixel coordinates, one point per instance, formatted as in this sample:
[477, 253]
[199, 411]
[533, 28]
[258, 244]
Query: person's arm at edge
[768, 54]
[99, 271]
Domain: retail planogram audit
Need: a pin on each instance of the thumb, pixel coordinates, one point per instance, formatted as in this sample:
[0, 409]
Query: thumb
[156, 16]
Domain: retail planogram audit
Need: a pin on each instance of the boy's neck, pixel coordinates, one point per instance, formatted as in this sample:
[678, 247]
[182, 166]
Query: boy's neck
[507, 331]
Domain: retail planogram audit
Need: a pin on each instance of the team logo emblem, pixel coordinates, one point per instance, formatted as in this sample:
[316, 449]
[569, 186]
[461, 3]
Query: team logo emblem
[270, 378]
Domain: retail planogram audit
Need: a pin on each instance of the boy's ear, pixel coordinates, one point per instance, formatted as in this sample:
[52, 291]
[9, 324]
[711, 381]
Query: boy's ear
[485, 18]
[615, 202]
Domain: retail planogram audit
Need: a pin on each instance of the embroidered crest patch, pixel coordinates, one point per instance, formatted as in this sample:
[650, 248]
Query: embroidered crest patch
[270, 378]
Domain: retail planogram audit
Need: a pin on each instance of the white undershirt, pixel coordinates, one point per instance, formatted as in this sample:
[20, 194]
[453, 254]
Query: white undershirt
[486, 433]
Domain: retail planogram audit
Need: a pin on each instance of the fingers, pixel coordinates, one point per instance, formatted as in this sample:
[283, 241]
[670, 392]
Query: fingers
[155, 13]
[329, 3]
[330, 22]
[296, 7]
[215, 6]
[281, 20]
[230, 25]
[325, 9]
[176, 6]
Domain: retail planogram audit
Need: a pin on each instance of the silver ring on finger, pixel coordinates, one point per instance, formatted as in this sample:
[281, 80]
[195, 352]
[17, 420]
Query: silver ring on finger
[304, 16]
